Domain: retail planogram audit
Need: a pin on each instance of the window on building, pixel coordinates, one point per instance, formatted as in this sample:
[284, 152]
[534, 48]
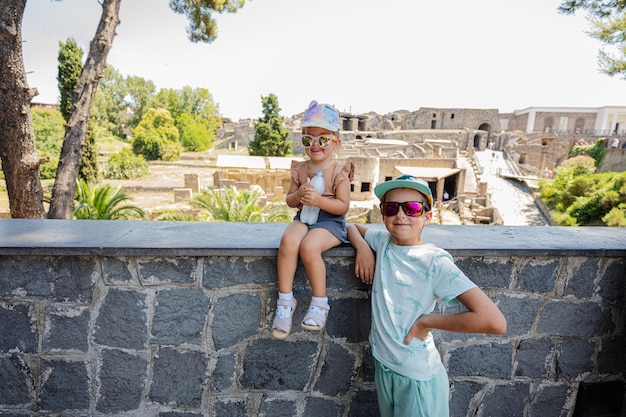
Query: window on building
[365, 187]
[452, 116]
[433, 124]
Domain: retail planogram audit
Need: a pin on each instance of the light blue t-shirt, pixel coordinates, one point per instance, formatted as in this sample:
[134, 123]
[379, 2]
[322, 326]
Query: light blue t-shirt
[407, 283]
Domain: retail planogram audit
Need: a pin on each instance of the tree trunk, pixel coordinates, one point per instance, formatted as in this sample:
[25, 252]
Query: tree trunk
[20, 162]
[62, 202]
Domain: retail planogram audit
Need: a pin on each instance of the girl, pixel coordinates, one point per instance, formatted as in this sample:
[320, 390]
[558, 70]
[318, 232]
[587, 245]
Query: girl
[320, 136]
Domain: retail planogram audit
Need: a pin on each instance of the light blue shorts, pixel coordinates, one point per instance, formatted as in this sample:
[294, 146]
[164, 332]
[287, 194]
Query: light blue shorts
[400, 396]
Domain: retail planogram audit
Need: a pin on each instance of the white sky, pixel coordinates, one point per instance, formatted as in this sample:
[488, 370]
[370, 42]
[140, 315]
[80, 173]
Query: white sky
[359, 55]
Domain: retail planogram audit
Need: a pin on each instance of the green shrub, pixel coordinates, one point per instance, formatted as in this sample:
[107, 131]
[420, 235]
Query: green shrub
[616, 217]
[49, 127]
[578, 196]
[156, 137]
[125, 165]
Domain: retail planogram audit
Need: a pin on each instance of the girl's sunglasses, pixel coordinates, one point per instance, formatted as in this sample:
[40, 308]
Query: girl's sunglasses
[322, 140]
[410, 208]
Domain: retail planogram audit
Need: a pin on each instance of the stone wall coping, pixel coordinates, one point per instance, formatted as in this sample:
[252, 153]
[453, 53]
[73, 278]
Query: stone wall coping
[171, 239]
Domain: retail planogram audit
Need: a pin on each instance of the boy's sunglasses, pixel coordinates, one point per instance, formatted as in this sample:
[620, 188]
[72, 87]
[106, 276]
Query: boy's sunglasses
[323, 141]
[410, 208]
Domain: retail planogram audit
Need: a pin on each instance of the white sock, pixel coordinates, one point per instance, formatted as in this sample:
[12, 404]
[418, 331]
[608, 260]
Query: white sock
[321, 300]
[316, 309]
[283, 311]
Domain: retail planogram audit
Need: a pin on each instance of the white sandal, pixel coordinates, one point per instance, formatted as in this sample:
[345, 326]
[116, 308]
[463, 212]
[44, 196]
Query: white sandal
[314, 314]
[281, 327]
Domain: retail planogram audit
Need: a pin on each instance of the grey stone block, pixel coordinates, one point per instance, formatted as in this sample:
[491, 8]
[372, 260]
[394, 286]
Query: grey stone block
[225, 372]
[462, 395]
[178, 414]
[225, 271]
[533, 358]
[67, 328]
[364, 404]
[276, 408]
[538, 276]
[122, 380]
[235, 318]
[574, 357]
[15, 380]
[231, 408]
[506, 400]
[341, 277]
[66, 387]
[613, 284]
[168, 270]
[278, 365]
[486, 271]
[520, 313]
[611, 356]
[549, 400]
[349, 318]
[316, 407]
[179, 316]
[122, 320]
[564, 318]
[368, 364]
[74, 279]
[178, 378]
[581, 283]
[17, 329]
[492, 360]
[338, 371]
[25, 276]
[117, 271]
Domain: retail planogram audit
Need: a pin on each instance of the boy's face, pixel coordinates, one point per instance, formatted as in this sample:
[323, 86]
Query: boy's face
[315, 152]
[405, 230]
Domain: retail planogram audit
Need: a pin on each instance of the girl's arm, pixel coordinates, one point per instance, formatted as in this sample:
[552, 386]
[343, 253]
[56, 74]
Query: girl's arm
[294, 194]
[365, 261]
[483, 316]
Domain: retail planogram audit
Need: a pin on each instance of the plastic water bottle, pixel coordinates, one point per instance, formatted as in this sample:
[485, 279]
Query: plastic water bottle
[309, 214]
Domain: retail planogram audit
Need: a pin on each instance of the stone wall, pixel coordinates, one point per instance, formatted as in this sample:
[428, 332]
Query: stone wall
[615, 160]
[172, 319]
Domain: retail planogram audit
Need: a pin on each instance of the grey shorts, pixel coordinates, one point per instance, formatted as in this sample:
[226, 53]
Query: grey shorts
[331, 222]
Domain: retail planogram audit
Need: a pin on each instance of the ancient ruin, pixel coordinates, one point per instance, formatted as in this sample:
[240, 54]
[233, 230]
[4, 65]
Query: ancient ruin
[438, 145]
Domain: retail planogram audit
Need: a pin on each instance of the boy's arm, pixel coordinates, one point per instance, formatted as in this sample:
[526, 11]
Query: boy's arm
[364, 261]
[483, 316]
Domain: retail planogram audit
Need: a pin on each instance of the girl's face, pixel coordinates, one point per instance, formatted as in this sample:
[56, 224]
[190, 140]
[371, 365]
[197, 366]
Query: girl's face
[406, 230]
[315, 152]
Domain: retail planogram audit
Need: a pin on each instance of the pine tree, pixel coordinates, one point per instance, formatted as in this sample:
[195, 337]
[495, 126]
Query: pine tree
[70, 66]
[270, 138]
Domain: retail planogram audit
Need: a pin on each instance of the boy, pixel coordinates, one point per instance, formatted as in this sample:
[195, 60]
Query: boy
[409, 276]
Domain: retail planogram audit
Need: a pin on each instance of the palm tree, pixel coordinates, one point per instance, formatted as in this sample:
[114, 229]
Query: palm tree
[233, 205]
[176, 216]
[103, 202]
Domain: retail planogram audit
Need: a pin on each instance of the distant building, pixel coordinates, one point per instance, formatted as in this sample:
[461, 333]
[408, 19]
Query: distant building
[595, 121]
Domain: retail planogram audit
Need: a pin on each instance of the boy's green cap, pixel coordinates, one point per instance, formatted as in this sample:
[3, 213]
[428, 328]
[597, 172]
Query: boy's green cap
[405, 181]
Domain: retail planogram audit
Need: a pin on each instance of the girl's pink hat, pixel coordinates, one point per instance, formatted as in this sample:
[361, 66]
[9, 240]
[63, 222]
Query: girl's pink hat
[321, 115]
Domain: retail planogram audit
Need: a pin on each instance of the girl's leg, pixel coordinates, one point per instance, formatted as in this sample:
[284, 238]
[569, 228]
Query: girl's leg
[287, 260]
[311, 248]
